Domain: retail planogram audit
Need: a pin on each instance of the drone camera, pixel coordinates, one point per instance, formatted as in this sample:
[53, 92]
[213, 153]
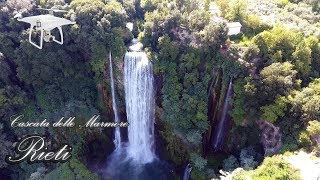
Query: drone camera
[50, 39]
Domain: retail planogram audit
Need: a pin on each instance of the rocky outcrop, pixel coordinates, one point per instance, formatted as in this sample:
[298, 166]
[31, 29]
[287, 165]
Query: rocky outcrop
[270, 137]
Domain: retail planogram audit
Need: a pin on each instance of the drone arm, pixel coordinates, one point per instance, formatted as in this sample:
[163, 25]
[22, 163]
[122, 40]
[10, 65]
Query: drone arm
[61, 36]
[30, 39]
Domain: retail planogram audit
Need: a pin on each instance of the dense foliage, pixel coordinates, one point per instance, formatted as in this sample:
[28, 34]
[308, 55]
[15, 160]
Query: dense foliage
[57, 80]
[186, 68]
[271, 168]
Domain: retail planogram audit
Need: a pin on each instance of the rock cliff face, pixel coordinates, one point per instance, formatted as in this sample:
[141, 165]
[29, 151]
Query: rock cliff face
[220, 96]
[270, 137]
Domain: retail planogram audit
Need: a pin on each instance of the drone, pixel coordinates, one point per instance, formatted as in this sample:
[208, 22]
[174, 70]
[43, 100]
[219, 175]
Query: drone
[45, 23]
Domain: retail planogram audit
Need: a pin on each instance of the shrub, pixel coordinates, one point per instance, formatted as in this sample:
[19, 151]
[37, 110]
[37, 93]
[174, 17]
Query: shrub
[247, 156]
[282, 3]
[313, 131]
[239, 174]
[198, 161]
[276, 168]
[251, 52]
[253, 24]
[230, 163]
[288, 147]
[304, 139]
[275, 111]
[313, 128]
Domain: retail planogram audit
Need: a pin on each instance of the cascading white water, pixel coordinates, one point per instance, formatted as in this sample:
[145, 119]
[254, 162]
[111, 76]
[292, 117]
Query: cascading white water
[187, 171]
[139, 93]
[117, 135]
[136, 158]
[220, 130]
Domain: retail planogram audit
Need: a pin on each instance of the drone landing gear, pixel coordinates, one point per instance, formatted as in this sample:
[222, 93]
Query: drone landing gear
[41, 37]
[61, 37]
[54, 38]
[45, 35]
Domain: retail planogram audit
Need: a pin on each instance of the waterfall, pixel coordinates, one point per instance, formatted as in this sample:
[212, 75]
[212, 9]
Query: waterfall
[117, 135]
[187, 171]
[136, 159]
[138, 83]
[224, 119]
[213, 103]
[213, 80]
[213, 96]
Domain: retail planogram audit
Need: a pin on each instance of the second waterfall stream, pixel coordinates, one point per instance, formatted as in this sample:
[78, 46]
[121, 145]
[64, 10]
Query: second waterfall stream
[117, 135]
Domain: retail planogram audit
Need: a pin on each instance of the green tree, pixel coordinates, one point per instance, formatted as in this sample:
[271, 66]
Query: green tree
[230, 163]
[238, 111]
[237, 10]
[313, 43]
[279, 42]
[199, 162]
[247, 160]
[314, 128]
[274, 111]
[116, 13]
[304, 139]
[278, 79]
[212, 36]
[254, 24]
[302, 58]
[306, 101]
[276, 167]
[224, 7]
